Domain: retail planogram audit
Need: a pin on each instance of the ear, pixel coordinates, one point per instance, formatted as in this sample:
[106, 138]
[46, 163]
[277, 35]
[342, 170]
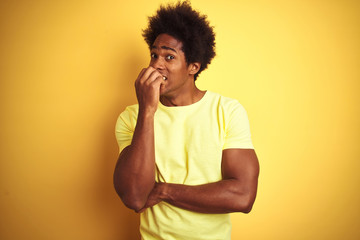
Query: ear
[194, 68]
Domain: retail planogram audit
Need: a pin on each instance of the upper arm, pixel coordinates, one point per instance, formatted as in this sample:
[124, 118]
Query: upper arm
[239, 160]
[242, 166]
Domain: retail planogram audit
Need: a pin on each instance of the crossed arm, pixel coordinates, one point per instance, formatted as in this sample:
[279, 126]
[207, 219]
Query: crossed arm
[235, 193]
[134, 179]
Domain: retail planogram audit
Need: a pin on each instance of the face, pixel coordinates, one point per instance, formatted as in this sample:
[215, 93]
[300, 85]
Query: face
[168, 58]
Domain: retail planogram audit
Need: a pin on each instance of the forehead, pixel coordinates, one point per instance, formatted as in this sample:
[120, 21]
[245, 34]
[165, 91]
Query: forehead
[165, 40]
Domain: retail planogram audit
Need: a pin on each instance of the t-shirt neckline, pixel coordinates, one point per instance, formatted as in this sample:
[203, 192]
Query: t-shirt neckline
[186, 106]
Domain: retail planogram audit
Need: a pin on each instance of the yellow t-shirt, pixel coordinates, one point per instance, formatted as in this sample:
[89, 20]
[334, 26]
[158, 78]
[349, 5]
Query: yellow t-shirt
[188, 147]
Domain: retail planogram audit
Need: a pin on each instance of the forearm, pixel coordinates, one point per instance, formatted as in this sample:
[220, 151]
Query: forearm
[134, 175]
[224, 196]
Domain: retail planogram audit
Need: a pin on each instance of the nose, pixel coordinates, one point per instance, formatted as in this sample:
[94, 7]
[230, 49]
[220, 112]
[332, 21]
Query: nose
[157, 63]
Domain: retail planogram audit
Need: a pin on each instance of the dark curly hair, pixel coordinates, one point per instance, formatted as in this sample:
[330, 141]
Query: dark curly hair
[188, 26]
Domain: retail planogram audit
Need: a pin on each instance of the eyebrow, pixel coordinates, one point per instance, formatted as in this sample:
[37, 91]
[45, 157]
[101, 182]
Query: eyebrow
[164, 47]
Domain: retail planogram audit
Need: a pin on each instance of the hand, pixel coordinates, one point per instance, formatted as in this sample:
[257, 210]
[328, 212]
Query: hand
[147, 87]
[155, 196]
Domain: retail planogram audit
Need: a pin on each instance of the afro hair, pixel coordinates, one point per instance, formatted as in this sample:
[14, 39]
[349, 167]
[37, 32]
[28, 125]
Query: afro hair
[188, 26]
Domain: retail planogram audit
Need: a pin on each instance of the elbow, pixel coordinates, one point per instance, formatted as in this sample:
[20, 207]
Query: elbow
[130, 200]
[244, 204]
[247, 208]
[133, 203]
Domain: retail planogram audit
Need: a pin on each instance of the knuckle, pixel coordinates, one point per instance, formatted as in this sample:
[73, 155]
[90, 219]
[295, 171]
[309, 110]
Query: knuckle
[147, 83]
[152, 85]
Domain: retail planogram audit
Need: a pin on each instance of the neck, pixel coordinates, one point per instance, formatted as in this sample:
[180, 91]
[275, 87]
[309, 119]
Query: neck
[182, 99]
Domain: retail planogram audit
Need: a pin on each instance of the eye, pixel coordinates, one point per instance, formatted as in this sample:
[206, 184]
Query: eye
[153, 55]
[170, 57]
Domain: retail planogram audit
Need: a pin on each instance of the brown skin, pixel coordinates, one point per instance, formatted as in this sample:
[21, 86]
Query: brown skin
[134, 176]
[235, 193]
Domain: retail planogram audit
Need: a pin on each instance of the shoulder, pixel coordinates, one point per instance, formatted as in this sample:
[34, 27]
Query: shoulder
[130, 110]
[129, 115]
[227, 104]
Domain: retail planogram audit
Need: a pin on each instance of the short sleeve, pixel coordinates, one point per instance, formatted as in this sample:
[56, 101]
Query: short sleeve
[124, 128]
[237, 131]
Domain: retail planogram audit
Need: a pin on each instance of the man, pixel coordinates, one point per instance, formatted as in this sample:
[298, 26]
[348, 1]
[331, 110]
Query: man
[186, 157]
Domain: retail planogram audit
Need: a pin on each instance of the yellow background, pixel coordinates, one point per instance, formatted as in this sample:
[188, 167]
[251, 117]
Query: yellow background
[67, 70]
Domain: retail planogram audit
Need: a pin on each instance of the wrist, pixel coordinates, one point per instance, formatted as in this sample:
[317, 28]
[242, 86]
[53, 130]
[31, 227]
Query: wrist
[146, 113]
[164, 191]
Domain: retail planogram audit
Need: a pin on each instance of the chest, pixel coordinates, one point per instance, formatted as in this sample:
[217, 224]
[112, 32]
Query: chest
[188, 147]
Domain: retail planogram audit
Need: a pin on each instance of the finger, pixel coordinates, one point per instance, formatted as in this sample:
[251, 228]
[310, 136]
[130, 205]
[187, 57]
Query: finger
[140, 74]
[158, 81]
[153, 76]
[147, 73]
